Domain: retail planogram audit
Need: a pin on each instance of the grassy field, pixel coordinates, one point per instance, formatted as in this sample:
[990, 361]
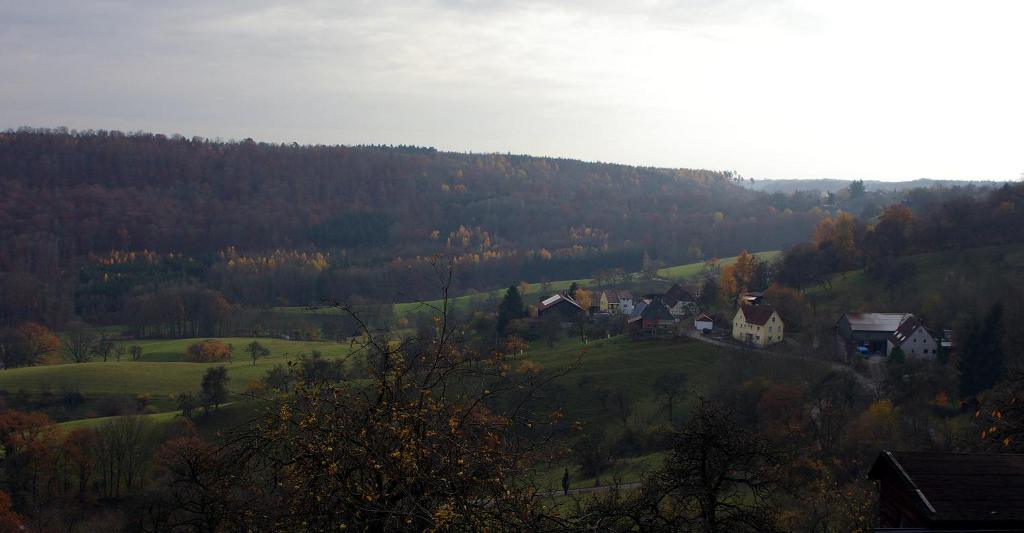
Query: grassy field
[693, 270]
[160, 372]
[615, 364]
[172, 350]
[618, 365]
[968, 271]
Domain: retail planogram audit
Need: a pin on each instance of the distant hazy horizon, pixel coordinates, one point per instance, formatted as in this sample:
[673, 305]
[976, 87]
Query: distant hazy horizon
[781, 89]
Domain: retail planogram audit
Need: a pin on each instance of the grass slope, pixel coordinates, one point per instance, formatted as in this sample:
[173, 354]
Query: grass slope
[160, 373]
[970, 271]
[693, 270]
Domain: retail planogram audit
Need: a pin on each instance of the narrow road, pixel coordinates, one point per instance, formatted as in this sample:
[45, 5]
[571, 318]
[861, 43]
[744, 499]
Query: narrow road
[868, 384]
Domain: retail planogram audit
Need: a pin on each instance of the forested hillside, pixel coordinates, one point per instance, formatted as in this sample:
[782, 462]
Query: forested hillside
[90, 220]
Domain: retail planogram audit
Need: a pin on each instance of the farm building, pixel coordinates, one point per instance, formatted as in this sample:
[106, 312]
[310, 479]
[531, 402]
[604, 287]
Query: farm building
[943, 491]
[680, 302]
[561, 305]
[867, 333]
[759, 325]
[654, 321]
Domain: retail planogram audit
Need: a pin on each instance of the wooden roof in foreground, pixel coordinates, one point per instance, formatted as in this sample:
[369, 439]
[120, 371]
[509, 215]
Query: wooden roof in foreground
[960, 487]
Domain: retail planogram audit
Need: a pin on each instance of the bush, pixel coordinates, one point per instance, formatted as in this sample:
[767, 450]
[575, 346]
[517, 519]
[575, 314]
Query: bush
[208, 351]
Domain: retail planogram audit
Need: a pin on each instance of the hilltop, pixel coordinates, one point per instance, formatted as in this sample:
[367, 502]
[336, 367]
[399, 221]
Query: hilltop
[91, 220]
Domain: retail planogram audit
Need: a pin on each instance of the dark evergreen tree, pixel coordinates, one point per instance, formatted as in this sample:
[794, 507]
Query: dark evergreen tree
[511, 308]
[981, 359]
[857, 189]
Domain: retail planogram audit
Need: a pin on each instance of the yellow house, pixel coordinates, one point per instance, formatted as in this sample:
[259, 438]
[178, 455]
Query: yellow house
[759, 325]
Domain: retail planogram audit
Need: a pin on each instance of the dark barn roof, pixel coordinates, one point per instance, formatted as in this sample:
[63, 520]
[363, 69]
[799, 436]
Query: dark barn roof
[757, 314]
[675, 294]
[656, 311]
[964, 488]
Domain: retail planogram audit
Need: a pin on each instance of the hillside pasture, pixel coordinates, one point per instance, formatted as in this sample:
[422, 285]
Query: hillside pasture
[161, 372]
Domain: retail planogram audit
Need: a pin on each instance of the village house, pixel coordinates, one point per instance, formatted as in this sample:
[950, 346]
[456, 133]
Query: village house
[614, 301]
[866, 333]
[758, 325]
[641, 304]
[944, 491]
[625, 302]
[915, 340]
[654, 321]
[679, 301]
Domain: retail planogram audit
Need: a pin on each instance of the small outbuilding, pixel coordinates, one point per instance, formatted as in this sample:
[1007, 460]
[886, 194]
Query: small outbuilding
[703, 323]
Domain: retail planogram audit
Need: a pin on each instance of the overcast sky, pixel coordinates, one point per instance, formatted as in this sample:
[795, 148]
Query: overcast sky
[771, 88]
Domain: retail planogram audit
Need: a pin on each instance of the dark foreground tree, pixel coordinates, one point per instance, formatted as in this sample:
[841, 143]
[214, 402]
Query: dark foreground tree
[719, 477]
[982, 357]
[415, 447]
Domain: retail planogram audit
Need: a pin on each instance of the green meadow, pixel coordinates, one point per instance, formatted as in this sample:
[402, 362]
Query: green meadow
[161, 371]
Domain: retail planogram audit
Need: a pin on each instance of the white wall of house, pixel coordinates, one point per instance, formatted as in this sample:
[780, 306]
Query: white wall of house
[919, 345]
[701, 325]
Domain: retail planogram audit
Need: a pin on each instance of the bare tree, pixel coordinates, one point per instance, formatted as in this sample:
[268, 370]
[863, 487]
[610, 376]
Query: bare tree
[79, 342]
[103, 348]
[121, 452]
